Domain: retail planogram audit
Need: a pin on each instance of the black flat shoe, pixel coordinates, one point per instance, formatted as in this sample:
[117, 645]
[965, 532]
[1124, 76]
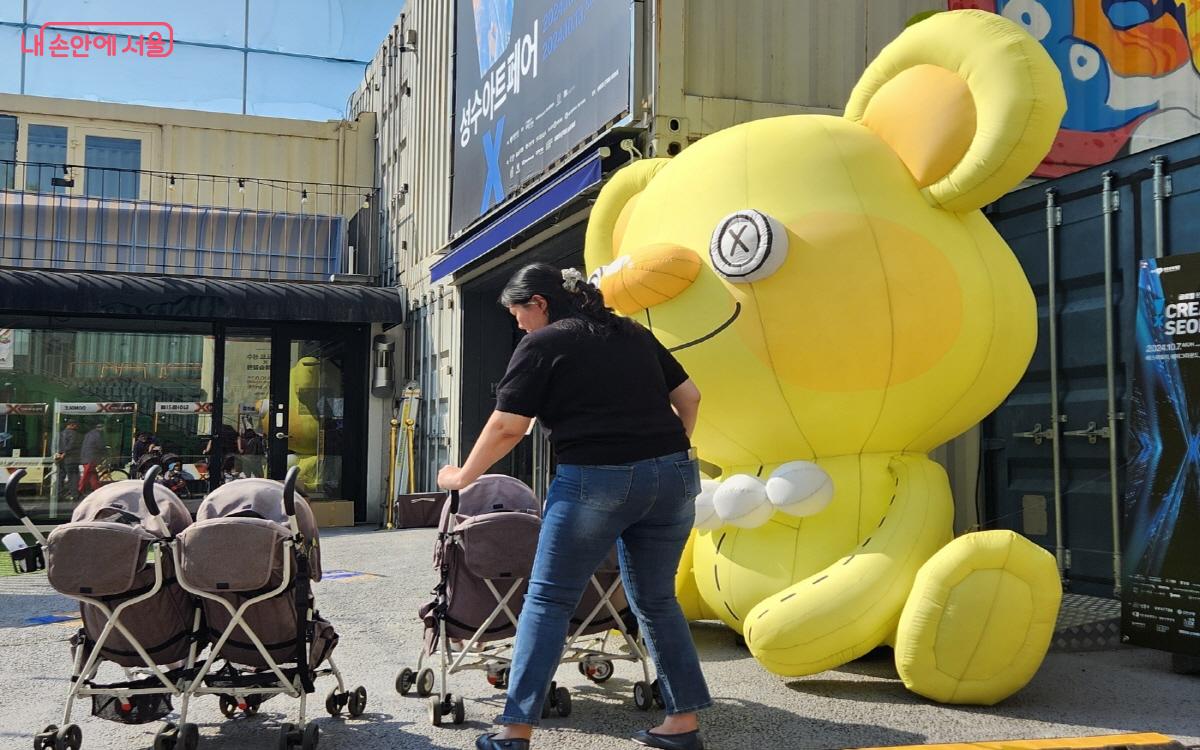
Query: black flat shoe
[489, 742]
[683, 741]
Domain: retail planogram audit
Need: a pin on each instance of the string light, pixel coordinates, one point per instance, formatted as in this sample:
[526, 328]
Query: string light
[366, 201]
[171, 186]
[241, 185]
[304, 196]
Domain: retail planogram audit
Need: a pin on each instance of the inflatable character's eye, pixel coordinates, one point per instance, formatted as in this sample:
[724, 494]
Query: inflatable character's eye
[748, 246]
[603, 271]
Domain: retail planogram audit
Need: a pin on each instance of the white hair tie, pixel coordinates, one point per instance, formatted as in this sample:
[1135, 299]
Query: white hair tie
[572, 278]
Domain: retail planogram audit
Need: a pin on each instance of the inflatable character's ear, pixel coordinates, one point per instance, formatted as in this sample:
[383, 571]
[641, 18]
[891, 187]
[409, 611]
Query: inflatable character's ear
[613, 207]
[969, 101]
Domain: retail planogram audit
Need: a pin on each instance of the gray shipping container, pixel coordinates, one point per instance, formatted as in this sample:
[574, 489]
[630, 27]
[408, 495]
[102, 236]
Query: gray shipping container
[1054, 453]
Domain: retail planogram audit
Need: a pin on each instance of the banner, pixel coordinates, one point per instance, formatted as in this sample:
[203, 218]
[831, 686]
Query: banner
[24, 410]
[1161, 586]
[96, 407]
[182, 407]
[533, 79]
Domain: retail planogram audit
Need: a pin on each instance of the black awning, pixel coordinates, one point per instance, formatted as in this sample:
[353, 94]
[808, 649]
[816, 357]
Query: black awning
[180, 298]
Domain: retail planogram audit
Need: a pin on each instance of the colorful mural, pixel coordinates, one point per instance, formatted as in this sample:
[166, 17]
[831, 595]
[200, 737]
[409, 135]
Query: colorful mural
[1131, 69]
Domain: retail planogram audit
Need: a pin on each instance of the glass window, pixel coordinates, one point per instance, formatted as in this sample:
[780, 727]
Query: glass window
[10, 59]
[112, 165]
[344, 29]
[213, 21]
[8, 151]
[73, 404]
[203, 78]
[298, 87]
[47, 158]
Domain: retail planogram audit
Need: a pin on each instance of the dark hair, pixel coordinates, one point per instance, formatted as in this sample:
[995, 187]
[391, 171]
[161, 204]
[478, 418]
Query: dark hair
[568, 295]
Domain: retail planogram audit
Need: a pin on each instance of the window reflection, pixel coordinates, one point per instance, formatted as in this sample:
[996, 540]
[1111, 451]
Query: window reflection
[8, 151]
[343, 29]
[47, 147]
[298, 87]
[112, 165]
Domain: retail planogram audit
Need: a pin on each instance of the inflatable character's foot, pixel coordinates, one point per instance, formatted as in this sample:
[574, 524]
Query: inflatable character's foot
[979, 619]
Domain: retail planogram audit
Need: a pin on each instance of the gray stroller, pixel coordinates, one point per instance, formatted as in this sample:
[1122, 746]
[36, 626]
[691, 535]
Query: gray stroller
[484, 554]
[114, 558]
[251, 557]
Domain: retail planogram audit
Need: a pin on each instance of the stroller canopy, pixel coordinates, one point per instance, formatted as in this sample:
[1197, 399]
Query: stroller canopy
[495, 492]
[261, 498]
[122, 502]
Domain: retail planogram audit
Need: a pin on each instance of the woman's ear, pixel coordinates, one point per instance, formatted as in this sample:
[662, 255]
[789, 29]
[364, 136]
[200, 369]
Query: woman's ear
[969, 101]
[612, 209]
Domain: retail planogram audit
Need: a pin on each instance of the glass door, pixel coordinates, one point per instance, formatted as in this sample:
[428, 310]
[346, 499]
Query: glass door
[241, 443]
[319, 413]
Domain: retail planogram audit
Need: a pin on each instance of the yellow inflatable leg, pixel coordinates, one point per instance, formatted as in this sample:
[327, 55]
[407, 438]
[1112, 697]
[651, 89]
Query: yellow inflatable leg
[979, 620]
[685, 585]
[849, 608]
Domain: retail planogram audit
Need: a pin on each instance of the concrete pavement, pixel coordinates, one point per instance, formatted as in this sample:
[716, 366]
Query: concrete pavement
[385, 576]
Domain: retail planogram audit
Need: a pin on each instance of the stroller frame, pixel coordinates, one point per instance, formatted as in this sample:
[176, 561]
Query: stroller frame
[247, 690]
[589, 652]
[173, 682]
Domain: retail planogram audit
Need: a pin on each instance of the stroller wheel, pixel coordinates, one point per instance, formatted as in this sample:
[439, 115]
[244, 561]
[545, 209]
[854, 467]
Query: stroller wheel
[599, 671]
[435, 710]
[425, 683]
[164, 738]
[68, 738]
[405, 680]
[460, 711]
[228, 706]
[44, 740]
[287, 737]
[188, 737]
[333, 703]
[357, 702]
[253, 703]
[563, 701]
[656, 690]
[312, 735]
[643, 696]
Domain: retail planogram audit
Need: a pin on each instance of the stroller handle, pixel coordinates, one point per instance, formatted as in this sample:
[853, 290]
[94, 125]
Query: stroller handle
[289, 491]
[148, 490]
[453, 502]
[10, 493]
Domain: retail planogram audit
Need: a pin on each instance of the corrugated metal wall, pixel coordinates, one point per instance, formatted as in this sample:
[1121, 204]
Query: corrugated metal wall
[409, 90]
[186, 142]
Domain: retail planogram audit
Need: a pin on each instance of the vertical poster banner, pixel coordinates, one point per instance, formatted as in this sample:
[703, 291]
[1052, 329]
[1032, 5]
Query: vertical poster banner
[6, 348]
[533, 79]
[1161, 524]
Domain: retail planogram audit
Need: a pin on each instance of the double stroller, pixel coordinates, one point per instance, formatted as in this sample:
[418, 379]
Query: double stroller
[156, 589]
[487, 539]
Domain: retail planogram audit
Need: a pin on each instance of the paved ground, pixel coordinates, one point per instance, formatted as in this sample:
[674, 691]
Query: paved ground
[862, 704]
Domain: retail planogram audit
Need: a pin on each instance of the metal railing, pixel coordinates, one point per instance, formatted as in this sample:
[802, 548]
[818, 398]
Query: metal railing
[78, 218]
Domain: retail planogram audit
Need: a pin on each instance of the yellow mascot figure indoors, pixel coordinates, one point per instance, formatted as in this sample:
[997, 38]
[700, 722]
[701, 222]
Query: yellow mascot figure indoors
[845, 307]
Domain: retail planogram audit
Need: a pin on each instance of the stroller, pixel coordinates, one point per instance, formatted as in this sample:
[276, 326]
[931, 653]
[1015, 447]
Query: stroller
[251, 558]
[484, 554]
[135, 615]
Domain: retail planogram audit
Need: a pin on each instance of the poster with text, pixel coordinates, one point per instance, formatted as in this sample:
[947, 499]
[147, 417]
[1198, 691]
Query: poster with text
[1161, 523]
[533, 79]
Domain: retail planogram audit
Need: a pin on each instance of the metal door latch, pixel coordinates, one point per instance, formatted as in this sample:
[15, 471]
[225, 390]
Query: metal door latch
[1037, 434]
[1092, 433]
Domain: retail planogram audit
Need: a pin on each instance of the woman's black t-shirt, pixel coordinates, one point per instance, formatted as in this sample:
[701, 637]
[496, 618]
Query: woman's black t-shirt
[604, 399]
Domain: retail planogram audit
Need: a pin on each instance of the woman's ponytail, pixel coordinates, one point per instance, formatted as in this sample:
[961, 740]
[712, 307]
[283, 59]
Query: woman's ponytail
[567, 293]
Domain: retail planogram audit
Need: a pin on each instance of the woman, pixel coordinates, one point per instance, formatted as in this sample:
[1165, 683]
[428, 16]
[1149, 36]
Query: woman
[620, 411]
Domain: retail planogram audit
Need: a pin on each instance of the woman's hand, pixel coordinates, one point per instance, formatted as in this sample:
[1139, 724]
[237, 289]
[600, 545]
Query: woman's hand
[451, 478]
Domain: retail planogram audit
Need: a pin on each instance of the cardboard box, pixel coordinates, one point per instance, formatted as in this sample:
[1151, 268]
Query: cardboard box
[330, 513]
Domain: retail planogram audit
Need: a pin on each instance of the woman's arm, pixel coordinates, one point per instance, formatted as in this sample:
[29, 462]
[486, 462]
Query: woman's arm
[686, 400]
[500, 435]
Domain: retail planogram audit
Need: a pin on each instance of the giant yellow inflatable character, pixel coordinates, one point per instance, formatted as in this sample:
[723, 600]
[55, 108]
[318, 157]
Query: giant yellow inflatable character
[845, 307]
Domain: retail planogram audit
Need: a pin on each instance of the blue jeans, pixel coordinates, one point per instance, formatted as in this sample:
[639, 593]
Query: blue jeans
[647, 509]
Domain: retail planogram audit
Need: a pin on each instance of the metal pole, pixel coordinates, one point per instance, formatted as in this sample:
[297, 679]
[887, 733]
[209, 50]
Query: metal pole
[1053, 221]
[1111, 206]
[388, 521]
[1162, 191]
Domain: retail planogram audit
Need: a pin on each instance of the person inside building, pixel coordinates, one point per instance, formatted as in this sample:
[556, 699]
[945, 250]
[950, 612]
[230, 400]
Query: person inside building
[620, 410]
[253, 448]
[67, 458]
[145, 443]
[91, 453]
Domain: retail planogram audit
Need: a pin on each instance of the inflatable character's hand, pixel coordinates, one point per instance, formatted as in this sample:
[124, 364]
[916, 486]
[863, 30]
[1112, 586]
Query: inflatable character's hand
[798, 488]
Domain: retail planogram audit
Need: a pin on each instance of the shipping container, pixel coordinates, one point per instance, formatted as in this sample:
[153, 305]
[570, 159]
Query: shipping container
[1054, 453]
